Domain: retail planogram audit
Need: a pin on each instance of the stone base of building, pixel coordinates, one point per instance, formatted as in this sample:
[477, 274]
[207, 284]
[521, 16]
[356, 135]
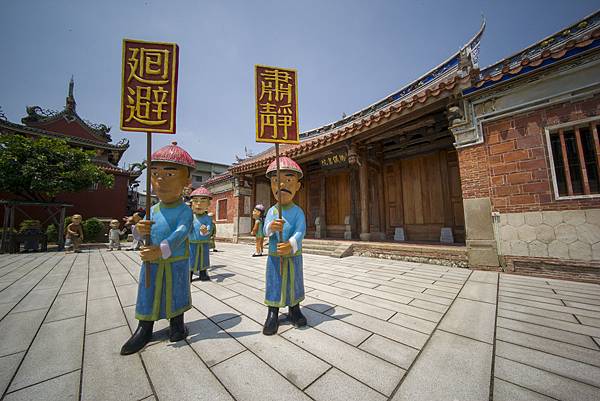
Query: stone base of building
[561, 269]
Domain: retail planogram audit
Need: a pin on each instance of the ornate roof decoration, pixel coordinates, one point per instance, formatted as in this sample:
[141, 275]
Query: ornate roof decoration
[218, 178]
[122, 145]
[457, 63]
[2, 115]
[579, 37]
[36, 114]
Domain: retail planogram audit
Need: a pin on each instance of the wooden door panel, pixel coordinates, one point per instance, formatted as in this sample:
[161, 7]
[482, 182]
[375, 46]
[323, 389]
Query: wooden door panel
[338, 198]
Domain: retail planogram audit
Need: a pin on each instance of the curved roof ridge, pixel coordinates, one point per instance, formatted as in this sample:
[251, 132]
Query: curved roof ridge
[548, 42]
[432, 76]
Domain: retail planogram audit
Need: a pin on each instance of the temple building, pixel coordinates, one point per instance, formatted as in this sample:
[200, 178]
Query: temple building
[104, 203]
[474, 164]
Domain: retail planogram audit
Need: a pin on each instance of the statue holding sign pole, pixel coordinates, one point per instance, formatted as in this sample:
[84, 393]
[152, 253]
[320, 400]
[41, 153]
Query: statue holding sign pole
[285, 223]
[148, 104]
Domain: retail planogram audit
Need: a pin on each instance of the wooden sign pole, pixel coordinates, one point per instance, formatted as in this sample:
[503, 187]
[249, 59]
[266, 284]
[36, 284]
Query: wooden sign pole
[148, 198]
[280, 236]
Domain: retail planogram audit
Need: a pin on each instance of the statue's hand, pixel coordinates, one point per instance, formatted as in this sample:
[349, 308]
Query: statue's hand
[284, 249]
[143, 227]
[150, 253]
[277, 225]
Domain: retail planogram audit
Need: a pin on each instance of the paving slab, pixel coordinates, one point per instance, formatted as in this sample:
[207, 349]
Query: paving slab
[17, 330]
[557, 324]
[547, 332]
[298, 366]
[505, 391]
[549, 346]
[543, 382]
[108, 373]
[249, 379]
[66, 306]
[450, 367]
[178, 374]
[64, 388]
[471, 319]
[101, 289]
[567, 317]
[210, 341]
[477, 291]
[372, 371]
[212, 308]
[484, 277]
[392, 331]
[391, 351]
[56, 350]
[564, 367]
[338, 386]
[104, 313]
[336, 328]
[8, 366]
[127, 294]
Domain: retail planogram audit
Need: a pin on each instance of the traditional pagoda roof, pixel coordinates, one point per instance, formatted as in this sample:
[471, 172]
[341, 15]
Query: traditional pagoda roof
[47, 119]
[218, 178]
[7, 126]
[578, 38]
[442, 79]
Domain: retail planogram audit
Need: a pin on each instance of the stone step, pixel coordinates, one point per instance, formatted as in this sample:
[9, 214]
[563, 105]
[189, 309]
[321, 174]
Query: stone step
[317, 252]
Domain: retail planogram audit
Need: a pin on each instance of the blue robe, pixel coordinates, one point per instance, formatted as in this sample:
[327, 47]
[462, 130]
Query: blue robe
[285, 287]
[169, 292]
[199, 244]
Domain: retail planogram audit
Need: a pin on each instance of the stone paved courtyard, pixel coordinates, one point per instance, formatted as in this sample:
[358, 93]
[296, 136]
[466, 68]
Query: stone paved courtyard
[377, 330]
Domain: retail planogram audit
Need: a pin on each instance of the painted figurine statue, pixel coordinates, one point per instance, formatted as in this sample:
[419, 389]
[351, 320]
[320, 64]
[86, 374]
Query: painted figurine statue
[167, 295]
[258, 214]
[200, 234]
[114, 235]
[74, 234]
[285, 282]
[138, 239]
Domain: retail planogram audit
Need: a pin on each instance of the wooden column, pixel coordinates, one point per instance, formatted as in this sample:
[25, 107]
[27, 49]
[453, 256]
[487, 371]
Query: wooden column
[381, 192]
[323, 206]
[363, 178]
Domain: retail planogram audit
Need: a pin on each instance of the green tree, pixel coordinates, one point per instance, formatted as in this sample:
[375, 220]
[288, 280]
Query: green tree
[39, 169]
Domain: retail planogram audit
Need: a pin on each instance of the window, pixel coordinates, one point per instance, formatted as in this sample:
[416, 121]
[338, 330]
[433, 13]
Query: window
[198, 178]
[222, 209]
[575, 152]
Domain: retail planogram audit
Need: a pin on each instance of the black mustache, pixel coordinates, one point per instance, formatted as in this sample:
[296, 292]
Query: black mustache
[285, 190]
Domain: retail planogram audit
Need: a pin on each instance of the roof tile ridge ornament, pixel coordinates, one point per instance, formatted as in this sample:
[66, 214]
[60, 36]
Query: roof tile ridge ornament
[442, 70]
[576, 31]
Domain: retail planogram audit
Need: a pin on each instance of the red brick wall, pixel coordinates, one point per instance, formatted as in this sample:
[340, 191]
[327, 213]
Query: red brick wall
[512, 166]
[231, 206]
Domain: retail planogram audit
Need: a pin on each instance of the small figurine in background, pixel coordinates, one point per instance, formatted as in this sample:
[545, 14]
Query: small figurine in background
[114, 235]
[285, 281]
[213, 233]
[200, 234]
[74, 234]
[164, 285]
[258, 214]
[138, 239]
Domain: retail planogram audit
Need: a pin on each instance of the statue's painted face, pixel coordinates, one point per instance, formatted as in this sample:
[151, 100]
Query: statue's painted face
[168, 180]
[114, 224]
[187, 191]
[290, 184]
[255, 214]
[200, 204]
[76, 219]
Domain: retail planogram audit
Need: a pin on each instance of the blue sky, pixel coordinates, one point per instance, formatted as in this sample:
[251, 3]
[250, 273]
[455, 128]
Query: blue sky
[348, 54]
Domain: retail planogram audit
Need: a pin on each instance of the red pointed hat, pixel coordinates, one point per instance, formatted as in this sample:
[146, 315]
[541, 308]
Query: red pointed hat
[201, 191]
[285, 163]
[173, 154]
